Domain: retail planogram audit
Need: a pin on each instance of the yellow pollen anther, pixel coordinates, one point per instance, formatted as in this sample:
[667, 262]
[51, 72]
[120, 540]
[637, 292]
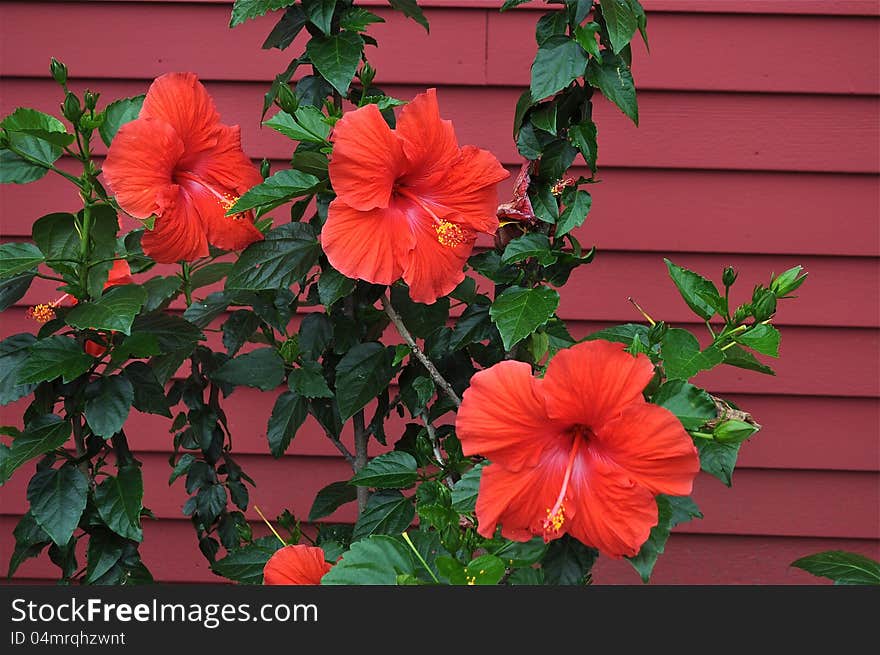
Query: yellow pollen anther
[42, 313]
[471, 579]
[227, 201]
[555, 520]
[450, 234]
[561, 184]
[556, 514]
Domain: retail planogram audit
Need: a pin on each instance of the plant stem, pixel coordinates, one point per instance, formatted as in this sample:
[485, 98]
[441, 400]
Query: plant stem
[187, 282]
[84, 242]
[361, 437]
[420, 355]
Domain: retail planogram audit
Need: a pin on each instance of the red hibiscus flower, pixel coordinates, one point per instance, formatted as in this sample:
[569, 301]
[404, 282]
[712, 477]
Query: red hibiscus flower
[579, 451]
[296, 565]
[177, 162]
[410, 201]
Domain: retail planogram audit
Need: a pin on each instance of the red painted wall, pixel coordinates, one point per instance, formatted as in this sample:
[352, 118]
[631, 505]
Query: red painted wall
[759, 147]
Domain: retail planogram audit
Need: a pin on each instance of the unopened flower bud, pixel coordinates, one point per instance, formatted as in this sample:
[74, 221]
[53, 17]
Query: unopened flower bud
[59, 71]
[90, 99]
[729, 276]
[742, 313]
[286, 99]
[787, 282]
[367, 75]
[733, 431]
[71, 108]
[765, 307]
[264, 168]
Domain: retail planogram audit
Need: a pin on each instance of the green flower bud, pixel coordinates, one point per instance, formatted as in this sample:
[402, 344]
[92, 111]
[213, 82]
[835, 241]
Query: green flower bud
[742, 313]
[90, 99]
[59, 71]
[733, 431]
[71, 108]
[286, 99]
[787, 282]
[729, 276]
[264, 168]
[765, 307]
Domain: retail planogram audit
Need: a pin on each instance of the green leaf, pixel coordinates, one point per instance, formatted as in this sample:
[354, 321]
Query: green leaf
[533, 244]
[761, 338]
[331, 498]
[287, 254]
[30, 539]
[333, 286]
[52, 357]
[387, 512]
[105, 550]
[117, 114]
[58, 498]
[510, 4]
[149, 394]
[736, 356]
[336, 57]
[411, 9]
[243, 10]
[544, 202]
[841, 566]
[13, 354]
[550, 24]
[361, 375]
[286, 30]
[682, 357]
[209, 274]
[39, 137]
[691, 405]
[308, 381]
[577, 206]
[559, 62]
[13, 289]
[119, 502]
[276, 190]
[173, 333]
[614, 79]
[621, 22]
[320, 13]
[671, 511]
[308, 124]
[287, 417]
[378, 560]
[568, 562]
[238, 328]
[422, 320]
[585, 35]
[202, 312]
[485, 570]
[56, 237]
[245, 565]
[518, 312]
[718, 459]
[262, 368]
[517, 553]
[700, 294]
[115, 310]
[394, 470]
[160, 290]
[464, 493]
[108, 401]
[583, 137]
[41, 435]
[357, 19]
[16, 258]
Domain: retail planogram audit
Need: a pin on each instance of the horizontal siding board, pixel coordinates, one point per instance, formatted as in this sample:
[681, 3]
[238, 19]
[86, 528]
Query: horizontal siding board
[761, 502]
[778, 213]
[599, 291]
[648, 210]
[836, 54]
[693, 51]
[796, 432]
[815, 361]
[678, 130]
[688, 559]
[829, 7]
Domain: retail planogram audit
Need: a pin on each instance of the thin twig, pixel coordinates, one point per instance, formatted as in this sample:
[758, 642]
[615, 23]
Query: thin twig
[420, 355]
[361, 437]
[435, 445]
[346, 453]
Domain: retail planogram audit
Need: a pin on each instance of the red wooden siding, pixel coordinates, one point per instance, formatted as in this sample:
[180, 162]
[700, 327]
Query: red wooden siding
[759, 147]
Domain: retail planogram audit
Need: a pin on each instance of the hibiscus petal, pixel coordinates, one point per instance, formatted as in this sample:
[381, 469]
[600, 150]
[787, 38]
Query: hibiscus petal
[225, 166]
[519, 501]
[607, 510]
[651, 445]
[433, 269]
[180, 100]
[469, 189]
[368, 245]
[502, 417]
[139, 165]
[296, 565]
[177, 235]
[226, 232]
[428, 141]
[367, 158]
[593, 381]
